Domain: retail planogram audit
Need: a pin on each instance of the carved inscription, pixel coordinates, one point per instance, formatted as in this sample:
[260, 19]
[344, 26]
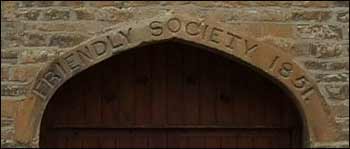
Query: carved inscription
[75, 60]
[213, 34]
[192, 28]
[42, 89]
[233, 39]
[174, 25]
[72, 60]
[301, 83]
[249, 49]
[87, 54]
[286, 69]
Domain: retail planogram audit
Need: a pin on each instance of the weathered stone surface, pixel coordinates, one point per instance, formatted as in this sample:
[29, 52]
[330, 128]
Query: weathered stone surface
[336, 92]
[113, 14]
[216, 35]
[332, 77]
[55, 14]
[37, 55]
[24, 73]
[322, 50]
[267, 30]
[11, 34]
[31, 14]
[66, 40]
[35, 39]
[341, 3]
[345, 28]
[319, 37]
[9, 108]
[343, 16]
[327, 65]
[4, 73]
[23, 4]
[85, 13]
[343, 123]
[260, 15]
[341, 110]
[13, 90]
[308, 31]
[301, 15]
[70, 3]
[9, 56]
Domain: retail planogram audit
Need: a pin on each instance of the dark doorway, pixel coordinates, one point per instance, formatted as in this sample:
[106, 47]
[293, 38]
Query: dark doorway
[170, 95]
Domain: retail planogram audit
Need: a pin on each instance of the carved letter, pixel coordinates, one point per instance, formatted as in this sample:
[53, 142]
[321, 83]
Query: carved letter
[286, 70]
[72, 61]
[126, 35]
[176, 25]
[273, 64]
[99, 50]
[249, 49]
[204, 30]
[55, 76]
[195, 25]
[156, 26]
[233, 37]
[302, 83]
[85, 54]
[114, 40]
[215, 33]
[42, 89]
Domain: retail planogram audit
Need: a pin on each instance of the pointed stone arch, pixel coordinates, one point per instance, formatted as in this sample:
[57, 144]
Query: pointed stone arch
[268, 60]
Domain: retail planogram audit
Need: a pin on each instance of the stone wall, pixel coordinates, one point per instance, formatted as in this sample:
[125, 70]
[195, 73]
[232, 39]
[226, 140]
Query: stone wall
[34, 33]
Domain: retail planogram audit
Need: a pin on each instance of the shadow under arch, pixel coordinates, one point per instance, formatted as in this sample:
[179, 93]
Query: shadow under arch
[268, 60]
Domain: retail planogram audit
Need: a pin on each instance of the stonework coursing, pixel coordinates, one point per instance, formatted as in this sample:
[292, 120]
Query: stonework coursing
[34, 34]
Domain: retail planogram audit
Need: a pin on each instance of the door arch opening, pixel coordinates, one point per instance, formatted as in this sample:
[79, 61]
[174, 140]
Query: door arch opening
[171, 95]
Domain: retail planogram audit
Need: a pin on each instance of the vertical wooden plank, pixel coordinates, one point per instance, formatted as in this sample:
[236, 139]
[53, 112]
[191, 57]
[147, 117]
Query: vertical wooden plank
[176, 139]
[61, 142]
[109, 92]
[224, 99]
[158, 139]
[68, 118]
[143, 101]
[125, 141]
[245, 141]
[213, 142]
[191, 86]
[196, 142]
[93, 100]
[207, 90]
[108, 142]
[175, 85]
[228, 142]
[127, 93]
[241, 102]
[140, 141]
[263, 141]
[74, 141]
[255, 101]
[159, 86]
[91, 142]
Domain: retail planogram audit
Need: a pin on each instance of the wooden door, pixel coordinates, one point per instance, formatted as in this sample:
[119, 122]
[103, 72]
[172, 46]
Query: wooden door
[170, 95]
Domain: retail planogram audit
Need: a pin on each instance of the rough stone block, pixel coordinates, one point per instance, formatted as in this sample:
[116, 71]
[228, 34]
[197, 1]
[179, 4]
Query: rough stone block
[317, 31]
[24, 73]
[13, 90]
[319, 16]
[66, 40]
[327, 65]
